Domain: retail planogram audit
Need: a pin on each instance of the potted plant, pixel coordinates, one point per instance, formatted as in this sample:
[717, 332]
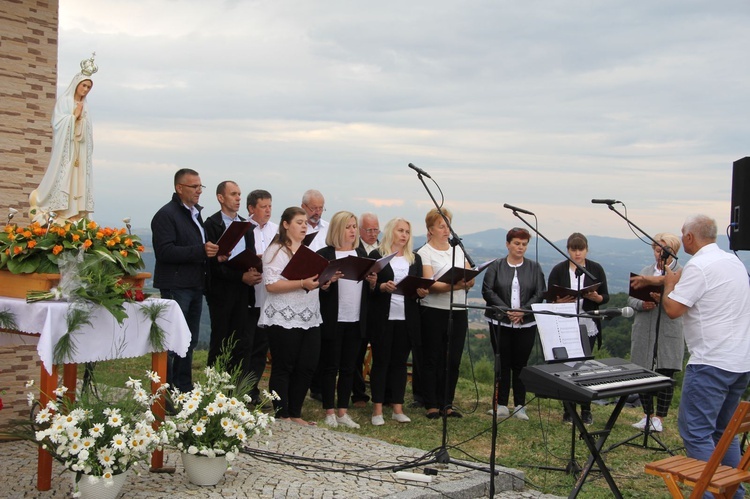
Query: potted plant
[214, 420]
[99, 437]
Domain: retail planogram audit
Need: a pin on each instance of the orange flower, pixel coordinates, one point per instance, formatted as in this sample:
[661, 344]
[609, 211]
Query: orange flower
[110, 243]
[87, 243]
[141, 249]
[123, 252]
[117, 239]
[57, 249]
[107, 231]
[17, 250]
[7, 251]
[31, 243]
[38, 231]
[91, 225]
[76, 237]
[27, 234]
[8, 229]
[128, 242]
[99, 234]
[19, 230]
[123, 231]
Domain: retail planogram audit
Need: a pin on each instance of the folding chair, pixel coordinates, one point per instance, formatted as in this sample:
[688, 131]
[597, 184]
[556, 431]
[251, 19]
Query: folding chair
[709, 476]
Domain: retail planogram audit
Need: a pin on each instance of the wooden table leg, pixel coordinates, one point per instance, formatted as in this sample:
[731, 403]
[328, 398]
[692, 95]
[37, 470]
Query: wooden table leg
[48, 383]
[70, 380]
[159, 366]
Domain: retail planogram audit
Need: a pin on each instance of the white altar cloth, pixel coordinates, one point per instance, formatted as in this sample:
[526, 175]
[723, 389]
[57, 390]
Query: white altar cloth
[105, 339]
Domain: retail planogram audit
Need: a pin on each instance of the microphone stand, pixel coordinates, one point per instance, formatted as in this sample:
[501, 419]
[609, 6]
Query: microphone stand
[441, 453]
[572, 467]
[648, 432]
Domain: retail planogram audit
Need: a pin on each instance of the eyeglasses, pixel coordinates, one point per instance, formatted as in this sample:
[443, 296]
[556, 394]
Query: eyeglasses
[196, 186]
[371, 231]
[319, 209]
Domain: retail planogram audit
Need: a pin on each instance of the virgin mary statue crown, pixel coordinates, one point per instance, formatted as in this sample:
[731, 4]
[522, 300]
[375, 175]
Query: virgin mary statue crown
[88, 67]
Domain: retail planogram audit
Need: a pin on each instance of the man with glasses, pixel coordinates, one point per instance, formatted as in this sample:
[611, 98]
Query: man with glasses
[369, 230]
[314, 203]
[181, 250]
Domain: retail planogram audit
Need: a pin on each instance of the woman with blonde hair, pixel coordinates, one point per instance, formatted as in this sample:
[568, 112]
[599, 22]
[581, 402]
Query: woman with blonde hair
[394, 325]
[437, 259]
[671, 347]
[343, 307]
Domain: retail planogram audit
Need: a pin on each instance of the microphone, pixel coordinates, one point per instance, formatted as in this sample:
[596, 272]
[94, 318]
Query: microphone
[419, 170]
[613, 312]
[516, 208]
[605, 201]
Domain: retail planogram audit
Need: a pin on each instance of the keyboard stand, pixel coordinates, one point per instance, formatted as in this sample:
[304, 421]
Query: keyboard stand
[595, 446]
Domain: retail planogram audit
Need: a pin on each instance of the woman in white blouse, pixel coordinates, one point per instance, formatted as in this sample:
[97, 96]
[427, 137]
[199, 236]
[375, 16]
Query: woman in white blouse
[291, 312]
[437, 259]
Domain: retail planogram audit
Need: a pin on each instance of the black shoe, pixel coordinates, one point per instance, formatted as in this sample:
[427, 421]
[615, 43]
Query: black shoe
[433, 415]
[316, 396]
[417, 404]
[567, 419]
[587, 417]
[455, 414]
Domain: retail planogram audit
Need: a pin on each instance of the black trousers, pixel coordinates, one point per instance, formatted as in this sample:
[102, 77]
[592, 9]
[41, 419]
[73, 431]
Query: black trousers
[390, 349]
[230, 323]
[294, 357]
[514, 346]
[359, 388]
[258, 352]
[438, 378]
[338, 355]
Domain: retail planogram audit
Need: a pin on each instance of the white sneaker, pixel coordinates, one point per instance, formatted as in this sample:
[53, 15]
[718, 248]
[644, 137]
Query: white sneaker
[640, 425]
[501, 411]
[378, 420]
[331, 421]
[401, 418]
[346, 421]
[520, 413]
[656, 425]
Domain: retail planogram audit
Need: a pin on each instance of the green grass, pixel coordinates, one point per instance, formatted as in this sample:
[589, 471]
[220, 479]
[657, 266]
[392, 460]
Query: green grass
[542, 441]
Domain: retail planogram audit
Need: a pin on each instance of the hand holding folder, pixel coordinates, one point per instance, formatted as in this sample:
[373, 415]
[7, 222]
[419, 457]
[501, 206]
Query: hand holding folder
[231, 237]
[556, 292]
[409, 285]
[457, 274]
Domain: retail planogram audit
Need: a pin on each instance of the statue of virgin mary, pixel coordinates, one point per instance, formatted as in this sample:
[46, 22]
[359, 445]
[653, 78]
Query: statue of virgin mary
[67, 186]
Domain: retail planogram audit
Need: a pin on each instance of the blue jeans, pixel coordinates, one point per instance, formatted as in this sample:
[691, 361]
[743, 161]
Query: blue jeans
[179, 369]
[709, 398]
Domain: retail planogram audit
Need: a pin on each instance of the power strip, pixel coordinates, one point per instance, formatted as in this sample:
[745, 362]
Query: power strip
[416, 477]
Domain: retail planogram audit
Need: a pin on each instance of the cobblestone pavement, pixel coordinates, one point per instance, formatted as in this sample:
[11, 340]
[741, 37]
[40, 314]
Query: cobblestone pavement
[295, 462]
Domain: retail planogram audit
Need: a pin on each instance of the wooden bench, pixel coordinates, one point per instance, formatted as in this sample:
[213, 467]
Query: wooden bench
[709, 476]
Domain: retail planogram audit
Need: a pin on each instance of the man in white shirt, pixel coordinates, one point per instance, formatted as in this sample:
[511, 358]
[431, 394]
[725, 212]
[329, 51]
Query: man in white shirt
[259, 204]
[712, 293]
[314, 205]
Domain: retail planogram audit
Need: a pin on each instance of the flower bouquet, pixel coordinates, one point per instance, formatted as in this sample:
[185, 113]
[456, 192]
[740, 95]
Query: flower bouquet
[97, 437]
[215, 418]
[38, 248]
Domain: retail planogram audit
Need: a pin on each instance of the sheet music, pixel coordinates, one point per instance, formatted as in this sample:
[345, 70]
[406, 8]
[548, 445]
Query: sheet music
[556, 331]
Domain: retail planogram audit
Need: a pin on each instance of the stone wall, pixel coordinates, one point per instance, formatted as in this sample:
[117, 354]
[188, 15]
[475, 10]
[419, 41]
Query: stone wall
[28, 79]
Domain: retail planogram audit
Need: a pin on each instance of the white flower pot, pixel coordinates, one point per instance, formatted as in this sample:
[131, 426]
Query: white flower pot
[202, 470]
[100, 490]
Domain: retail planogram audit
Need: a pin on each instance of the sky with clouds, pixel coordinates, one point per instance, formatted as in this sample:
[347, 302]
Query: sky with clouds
[540, 104]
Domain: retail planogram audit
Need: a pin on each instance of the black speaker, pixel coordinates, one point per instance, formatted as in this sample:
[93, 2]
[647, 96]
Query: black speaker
[739, 232]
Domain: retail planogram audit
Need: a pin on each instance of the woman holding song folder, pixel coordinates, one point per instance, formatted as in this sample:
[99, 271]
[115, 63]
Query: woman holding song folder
[343, 307]
[513, 282]
[567, 275]
[671, 347]
[291, 312]
[437, 259]
[394, 324]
